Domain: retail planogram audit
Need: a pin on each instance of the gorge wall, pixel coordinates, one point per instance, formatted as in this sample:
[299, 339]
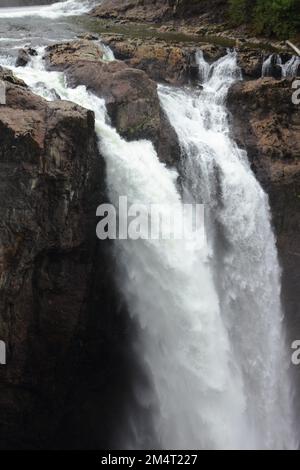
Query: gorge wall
[62, 318]
[267, 124]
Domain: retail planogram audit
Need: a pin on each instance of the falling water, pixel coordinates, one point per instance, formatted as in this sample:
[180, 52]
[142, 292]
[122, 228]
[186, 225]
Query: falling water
[291, 67]
[288, 69]
[210, 317]
[243, 253]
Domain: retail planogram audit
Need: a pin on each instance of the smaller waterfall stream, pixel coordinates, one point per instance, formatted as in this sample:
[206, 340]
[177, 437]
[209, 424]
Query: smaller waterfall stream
[288, 69]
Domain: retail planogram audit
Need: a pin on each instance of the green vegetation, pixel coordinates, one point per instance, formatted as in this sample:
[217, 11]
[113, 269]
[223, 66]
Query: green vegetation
[280, 18]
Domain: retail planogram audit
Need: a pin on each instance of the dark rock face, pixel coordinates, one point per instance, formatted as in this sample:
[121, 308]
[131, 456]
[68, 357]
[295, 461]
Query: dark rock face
[61, 315]
[267, 124]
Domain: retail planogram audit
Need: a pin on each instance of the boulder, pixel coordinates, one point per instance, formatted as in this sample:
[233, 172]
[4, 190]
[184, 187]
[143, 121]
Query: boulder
[163, 62]
[132, 103]
[24, 56]
[131, 97]
[62, 55]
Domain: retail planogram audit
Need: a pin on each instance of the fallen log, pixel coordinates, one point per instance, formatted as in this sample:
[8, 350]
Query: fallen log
[292, 46]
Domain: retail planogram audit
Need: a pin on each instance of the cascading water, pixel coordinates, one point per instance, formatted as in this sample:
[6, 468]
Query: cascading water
[244, 258]
[210, 317]
[291, 67]
[288, 69]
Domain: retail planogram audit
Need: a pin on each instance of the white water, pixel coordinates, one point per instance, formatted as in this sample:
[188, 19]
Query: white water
[56, 10]
[288, 69]
[211, 331]
[244, 259]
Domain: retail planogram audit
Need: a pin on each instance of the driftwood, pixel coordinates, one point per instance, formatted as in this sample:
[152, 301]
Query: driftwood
[292, 46]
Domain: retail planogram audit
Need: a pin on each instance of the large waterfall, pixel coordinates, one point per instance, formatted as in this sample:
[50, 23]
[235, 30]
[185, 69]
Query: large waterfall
[210, 320]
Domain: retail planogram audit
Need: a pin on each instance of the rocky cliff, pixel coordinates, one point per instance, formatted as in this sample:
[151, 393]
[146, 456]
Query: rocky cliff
[61, 315]
[267, 124]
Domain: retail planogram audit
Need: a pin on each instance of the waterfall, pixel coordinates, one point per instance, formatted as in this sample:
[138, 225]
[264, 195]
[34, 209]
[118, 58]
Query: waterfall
[244, 259]
[291, 67]
[288, 69]
[211, 336]
[269, 63]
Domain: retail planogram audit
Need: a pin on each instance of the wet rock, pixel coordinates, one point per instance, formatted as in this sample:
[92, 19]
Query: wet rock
[251, 62]
[132, 102]
[212, 52]
[131, 97]
[161, 61]
[60, 56]
[8, 77]
[24, 56]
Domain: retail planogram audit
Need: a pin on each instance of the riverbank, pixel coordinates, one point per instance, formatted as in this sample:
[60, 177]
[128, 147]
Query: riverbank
[208, 20]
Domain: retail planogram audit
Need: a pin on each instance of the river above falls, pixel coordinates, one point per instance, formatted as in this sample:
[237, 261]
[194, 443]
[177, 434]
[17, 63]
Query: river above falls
[40, 25]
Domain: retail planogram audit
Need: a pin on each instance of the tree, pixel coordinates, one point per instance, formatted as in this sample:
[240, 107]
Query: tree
[279, 18]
